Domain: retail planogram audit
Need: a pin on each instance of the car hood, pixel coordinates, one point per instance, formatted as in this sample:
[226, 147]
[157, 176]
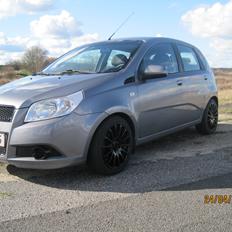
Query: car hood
[25, 91]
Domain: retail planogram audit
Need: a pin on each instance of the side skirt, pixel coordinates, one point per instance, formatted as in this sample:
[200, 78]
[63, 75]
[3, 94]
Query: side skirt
[166, 132]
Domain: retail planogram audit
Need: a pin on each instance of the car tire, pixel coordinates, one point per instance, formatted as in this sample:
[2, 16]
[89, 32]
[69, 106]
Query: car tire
[111, 146]
[209, 121]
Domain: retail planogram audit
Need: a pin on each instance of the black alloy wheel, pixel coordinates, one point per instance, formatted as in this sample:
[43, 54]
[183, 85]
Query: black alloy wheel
[212, 115]
[209, 121]
[111, 147]
[116, 145]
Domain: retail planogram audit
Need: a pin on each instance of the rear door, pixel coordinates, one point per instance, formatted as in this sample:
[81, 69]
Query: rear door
[194, 82]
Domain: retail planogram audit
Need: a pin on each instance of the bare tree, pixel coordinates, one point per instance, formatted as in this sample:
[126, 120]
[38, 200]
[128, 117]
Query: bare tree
[49, 60]
[34, 59]
[16, 64]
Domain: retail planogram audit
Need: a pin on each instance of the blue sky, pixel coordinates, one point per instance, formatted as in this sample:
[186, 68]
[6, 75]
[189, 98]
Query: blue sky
[41, 22]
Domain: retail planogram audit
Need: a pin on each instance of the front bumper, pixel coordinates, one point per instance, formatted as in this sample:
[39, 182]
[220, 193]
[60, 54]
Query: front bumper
[53, 163]
[70, 136]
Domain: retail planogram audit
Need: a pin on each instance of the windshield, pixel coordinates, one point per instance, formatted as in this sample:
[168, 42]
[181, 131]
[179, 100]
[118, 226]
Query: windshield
[101, 58]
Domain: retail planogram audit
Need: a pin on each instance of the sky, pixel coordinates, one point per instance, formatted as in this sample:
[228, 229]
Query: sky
[60, 25]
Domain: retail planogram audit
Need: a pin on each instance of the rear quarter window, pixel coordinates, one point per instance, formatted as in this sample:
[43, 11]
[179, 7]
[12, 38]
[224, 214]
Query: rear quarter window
[204, 62]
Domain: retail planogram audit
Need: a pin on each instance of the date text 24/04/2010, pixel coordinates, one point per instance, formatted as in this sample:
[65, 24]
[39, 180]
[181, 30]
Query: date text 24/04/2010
[217, 199]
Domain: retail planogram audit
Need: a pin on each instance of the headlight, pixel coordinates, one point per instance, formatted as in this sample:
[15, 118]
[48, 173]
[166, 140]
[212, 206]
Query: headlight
[53, 108]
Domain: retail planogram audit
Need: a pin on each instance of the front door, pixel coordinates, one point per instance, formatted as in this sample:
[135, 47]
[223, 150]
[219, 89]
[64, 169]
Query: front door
[161, 99]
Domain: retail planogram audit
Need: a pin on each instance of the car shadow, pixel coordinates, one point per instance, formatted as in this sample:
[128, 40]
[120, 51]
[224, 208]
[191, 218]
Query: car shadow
[215, 182]
[144, 175]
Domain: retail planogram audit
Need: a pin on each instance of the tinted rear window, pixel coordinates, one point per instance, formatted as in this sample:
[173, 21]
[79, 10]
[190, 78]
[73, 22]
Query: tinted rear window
[189, 58]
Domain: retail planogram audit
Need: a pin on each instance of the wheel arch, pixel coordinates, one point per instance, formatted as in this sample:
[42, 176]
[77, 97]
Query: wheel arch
[131, 121]
[127, 118]
[214, 98]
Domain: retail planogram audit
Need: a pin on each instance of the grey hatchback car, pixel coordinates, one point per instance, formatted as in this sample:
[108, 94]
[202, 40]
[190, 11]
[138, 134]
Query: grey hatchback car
[96, 103]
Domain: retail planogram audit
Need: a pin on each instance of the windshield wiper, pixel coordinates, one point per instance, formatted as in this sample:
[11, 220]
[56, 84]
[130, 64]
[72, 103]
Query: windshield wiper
[43, 74]
[71, 71]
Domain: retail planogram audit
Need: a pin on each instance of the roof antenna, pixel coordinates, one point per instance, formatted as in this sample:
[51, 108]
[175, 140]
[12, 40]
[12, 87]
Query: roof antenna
[124, 22]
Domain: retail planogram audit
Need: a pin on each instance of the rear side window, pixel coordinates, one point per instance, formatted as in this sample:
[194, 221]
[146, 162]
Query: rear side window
[114, 53]
[189, 58]
[164, 55]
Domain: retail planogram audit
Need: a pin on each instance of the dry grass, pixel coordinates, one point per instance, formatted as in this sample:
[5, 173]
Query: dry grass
[224, 81]
[7, 76]
[225, 98]
[4, 80]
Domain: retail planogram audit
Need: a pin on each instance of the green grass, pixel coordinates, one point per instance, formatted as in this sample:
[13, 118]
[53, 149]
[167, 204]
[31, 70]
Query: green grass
[4, 194]
[23, 73]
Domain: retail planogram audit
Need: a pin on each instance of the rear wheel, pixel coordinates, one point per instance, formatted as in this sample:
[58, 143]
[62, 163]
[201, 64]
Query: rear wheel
[111, 147]
[209, 121]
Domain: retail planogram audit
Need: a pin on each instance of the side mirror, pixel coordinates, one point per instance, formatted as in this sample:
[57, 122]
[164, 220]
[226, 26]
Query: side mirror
[153, 71]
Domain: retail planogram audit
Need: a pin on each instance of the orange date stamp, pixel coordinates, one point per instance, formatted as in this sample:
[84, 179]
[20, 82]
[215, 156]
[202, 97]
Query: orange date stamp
[217, 199]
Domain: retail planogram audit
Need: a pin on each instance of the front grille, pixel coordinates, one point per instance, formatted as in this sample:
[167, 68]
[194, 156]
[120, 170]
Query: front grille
[6, 113]
[2, 151]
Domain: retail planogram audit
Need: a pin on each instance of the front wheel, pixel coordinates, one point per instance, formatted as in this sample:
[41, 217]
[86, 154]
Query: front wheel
[209, 121]
[111, 147]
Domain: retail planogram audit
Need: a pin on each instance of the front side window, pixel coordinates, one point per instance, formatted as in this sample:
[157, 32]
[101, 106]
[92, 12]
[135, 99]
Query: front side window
[164, 56]
[85, 62]
[102, 58]
[115, 53]
[189, 58]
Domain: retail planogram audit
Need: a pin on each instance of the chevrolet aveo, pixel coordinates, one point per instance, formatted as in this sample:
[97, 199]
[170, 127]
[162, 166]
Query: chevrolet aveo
[96, 103]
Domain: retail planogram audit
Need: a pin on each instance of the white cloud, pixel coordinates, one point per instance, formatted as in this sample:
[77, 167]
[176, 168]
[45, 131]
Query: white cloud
[11, 48]
[2, 38]
[55, 33]
[214, 23]
[59, 33]
[63, 25]
[222, 45]
[59, 46]
[84, 39]
[5, 56]
[158, 35]
[14, 7]
[12, 44]
[210, 21]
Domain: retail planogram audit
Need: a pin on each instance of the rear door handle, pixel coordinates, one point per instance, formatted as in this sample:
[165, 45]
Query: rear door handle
[179, 83]
[205, 77]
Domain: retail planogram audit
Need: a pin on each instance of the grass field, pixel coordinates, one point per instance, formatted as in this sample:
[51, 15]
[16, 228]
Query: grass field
[224, 81]
[9, 74]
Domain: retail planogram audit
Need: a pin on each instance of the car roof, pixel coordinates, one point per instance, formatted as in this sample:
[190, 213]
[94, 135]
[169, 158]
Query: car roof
[145, 40]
